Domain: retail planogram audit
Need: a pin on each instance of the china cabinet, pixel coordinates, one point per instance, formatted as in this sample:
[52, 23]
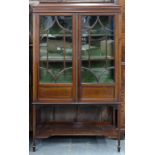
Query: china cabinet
[77, 68]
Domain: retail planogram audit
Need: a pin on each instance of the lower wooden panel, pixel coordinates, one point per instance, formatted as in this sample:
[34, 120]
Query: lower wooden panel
[98, 93]
[52, 93]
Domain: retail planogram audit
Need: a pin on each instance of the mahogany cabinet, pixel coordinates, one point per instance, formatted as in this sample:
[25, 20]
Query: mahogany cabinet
[77, 54]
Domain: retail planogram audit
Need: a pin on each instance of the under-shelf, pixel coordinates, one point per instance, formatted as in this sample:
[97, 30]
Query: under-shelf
[46, 130]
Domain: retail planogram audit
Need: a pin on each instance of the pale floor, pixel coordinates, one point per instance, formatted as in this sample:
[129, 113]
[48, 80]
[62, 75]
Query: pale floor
[78, 146]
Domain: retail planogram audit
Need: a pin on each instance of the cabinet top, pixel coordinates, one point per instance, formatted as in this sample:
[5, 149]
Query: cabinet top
[75, 7]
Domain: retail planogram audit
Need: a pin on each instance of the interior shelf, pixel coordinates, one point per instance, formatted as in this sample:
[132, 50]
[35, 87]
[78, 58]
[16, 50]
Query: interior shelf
[75, 129]
[84, 58]
[70, 35]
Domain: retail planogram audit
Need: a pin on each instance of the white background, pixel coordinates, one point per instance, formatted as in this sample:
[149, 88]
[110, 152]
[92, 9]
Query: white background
[140, 77]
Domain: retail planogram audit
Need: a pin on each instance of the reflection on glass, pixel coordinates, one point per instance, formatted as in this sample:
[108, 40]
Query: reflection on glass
[56, 49]
[97, 49]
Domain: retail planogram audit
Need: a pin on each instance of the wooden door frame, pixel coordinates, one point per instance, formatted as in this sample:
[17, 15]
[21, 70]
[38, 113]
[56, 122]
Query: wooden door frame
[36, 55]
[117, 36]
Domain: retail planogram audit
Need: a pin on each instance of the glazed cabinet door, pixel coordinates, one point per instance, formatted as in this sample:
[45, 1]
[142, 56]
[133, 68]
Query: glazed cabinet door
[98, 71]
[76, 57]
[55, 54]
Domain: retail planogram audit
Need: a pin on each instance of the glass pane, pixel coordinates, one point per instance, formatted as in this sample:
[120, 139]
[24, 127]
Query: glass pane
[56, 49]
[97, 49]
